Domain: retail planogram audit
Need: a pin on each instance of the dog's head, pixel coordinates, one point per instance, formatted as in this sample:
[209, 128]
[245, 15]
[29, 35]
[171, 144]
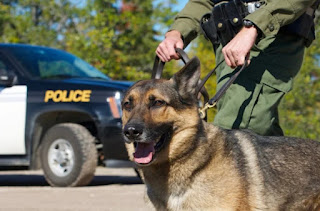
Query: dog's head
[159, 114]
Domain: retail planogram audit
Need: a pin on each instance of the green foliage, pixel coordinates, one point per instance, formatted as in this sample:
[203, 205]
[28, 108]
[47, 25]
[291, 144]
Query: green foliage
[119, 43]
[300, 110]
[36, 22]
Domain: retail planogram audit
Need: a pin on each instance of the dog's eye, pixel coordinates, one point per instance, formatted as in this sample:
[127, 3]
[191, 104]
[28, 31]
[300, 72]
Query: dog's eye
[158, 103]
[127, 106]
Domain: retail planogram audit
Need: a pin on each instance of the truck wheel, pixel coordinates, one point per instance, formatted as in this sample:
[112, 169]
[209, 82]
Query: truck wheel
[68, 155]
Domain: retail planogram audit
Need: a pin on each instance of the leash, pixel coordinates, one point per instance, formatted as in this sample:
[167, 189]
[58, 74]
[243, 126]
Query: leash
[158, 69]
[158, 65]
[209, 103]
[213, 101]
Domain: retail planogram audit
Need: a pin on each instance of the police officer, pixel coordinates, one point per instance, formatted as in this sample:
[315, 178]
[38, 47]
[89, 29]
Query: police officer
[273, 35]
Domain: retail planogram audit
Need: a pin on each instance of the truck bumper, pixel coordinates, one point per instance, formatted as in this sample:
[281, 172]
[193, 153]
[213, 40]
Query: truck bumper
[113, 142]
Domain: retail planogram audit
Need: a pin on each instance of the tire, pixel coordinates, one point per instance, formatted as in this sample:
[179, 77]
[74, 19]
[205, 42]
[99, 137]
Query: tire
[68, 155]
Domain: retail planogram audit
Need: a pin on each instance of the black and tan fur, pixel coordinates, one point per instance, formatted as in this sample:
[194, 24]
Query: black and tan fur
[197, 166]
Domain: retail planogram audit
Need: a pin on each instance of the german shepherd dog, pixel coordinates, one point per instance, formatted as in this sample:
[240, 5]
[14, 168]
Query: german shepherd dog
[189, 164]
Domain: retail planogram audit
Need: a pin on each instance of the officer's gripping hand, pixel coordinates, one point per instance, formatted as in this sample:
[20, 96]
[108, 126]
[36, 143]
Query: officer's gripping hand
[166, 49]
[239, 47]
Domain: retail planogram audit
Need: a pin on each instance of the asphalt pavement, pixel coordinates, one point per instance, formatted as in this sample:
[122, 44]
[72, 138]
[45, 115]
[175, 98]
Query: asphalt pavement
[111, 189]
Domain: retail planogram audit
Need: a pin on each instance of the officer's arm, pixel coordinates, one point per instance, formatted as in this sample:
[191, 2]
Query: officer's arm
[277, 13]
[184, 29]
[187, 22]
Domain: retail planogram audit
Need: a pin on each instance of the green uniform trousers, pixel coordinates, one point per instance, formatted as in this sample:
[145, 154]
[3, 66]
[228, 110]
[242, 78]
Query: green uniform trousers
[252, 100]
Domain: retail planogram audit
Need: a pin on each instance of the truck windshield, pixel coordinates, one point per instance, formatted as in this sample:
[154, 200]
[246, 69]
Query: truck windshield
[46, 63]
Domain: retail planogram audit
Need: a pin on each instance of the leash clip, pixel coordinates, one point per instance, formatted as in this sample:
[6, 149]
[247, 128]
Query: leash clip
[203, 111]
[213, 101]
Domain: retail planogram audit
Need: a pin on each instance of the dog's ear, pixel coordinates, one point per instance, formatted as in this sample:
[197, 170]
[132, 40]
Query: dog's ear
[186, 80]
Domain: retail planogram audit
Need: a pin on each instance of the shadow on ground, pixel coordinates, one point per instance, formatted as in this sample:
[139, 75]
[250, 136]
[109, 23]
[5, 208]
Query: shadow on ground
[39, 180]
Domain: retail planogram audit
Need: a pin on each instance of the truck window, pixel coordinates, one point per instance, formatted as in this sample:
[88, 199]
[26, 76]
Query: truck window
[55, 64]
[52, 68]
[3, 68]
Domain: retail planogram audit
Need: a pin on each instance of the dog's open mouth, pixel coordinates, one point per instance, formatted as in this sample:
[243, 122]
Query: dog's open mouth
[144, 153]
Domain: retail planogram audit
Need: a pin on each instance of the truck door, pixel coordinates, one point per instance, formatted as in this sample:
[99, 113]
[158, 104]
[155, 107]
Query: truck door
[13, 102]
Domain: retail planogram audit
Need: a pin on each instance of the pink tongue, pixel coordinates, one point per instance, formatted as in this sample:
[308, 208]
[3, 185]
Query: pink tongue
[144, 153]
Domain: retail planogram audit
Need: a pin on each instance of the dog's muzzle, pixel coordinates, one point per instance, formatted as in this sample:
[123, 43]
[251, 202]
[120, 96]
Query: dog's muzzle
[146, 146]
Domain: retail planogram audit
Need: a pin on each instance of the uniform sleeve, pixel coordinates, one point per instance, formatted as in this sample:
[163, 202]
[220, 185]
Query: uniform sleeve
[277, 13]
[187, 22]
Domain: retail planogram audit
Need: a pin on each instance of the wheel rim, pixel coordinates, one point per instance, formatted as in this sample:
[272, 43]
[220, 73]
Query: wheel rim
[61, 157]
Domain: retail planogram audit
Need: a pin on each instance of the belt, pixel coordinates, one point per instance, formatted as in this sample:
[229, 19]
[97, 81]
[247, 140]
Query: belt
[219, 1]
[251, 6]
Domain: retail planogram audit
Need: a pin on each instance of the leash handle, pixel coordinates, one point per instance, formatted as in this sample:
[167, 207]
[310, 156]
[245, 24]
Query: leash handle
[157, 69]
[158, 65]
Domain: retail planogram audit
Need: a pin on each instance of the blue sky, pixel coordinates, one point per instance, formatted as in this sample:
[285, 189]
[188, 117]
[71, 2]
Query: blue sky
[180, 5]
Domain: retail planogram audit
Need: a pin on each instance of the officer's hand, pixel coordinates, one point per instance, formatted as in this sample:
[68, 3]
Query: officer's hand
[166, 49]
[239, 47]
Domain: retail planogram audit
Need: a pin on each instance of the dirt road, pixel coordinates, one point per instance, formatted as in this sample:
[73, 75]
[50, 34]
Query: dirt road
[111, 189]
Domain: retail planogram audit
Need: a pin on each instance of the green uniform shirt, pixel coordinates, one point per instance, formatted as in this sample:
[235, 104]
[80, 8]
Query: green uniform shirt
[275, 61]
[281, 52]
[269, 18]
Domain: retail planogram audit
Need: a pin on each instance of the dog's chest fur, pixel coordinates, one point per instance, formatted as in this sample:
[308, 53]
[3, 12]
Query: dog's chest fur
[231, 175]
[212, 179]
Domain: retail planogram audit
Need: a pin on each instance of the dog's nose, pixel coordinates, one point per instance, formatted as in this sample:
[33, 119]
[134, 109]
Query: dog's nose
[132, 131]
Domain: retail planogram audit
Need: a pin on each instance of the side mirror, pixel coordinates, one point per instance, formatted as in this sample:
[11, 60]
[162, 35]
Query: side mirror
[7, 79]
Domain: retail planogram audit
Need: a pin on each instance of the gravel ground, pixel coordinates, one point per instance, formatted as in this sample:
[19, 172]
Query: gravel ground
[111, 189]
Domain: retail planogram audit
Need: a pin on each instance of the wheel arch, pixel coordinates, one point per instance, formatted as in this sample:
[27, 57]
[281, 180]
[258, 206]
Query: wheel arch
[47, 120]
